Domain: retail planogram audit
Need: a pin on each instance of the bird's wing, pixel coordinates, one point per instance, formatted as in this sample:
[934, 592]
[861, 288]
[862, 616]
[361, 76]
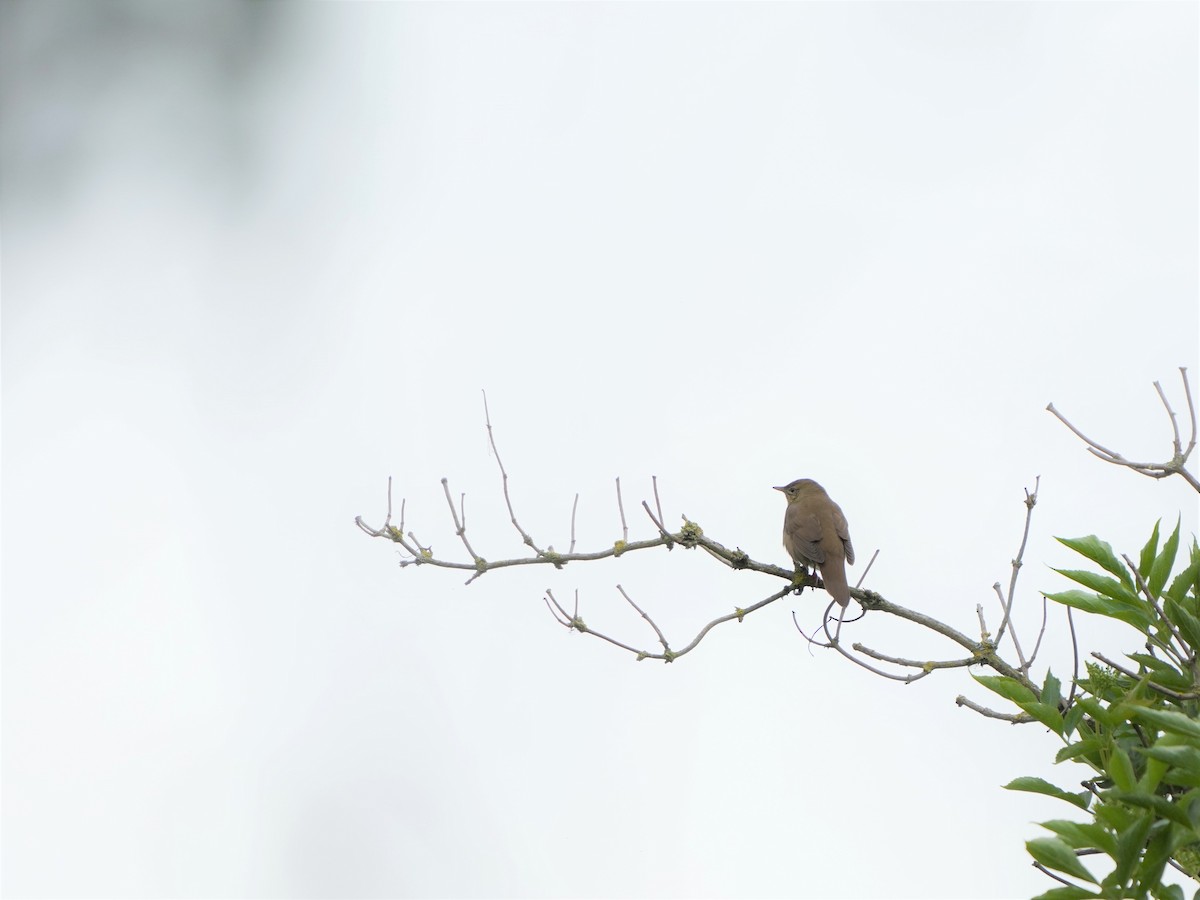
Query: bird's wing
[843, 531]
[804, 528]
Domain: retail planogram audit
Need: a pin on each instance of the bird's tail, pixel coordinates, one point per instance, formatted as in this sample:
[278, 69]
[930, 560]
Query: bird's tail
[833, 573]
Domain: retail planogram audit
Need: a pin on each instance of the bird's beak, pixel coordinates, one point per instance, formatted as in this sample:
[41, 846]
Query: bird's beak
[779, 489]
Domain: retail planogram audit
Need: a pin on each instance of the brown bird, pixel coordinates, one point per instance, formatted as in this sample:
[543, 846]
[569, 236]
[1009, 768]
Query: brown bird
[815, 533]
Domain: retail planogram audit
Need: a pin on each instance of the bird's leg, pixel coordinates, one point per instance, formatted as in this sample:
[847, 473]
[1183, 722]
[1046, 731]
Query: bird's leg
[801, 577]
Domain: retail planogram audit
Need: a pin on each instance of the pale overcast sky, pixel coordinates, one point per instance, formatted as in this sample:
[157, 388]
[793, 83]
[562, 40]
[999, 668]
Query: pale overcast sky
[260, 257]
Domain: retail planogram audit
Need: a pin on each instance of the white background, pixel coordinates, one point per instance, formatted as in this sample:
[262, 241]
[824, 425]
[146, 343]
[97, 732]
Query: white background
[257, 258]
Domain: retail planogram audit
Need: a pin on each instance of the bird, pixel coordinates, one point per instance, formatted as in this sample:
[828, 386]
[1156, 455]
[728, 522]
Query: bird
[815, 533]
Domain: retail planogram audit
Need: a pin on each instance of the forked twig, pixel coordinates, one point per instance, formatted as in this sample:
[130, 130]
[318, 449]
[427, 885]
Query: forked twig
[1178, 462]
[1030, 503]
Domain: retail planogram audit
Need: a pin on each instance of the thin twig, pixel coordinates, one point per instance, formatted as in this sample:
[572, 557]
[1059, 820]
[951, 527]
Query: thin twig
[1041, 633]
[1173, 418]
[658, 631]
[984, 634]
[916, 663]
[569, 621]
[1075, 653]
[1030, 503]
[836, 645]
[1015, 718]
[487, 416]
[657, 502]
[561, 621]
[812, 641]
[863, 576]
[1113, 456]
[658, 523]
[460, 528]
[574, 506]
[1187, 390]
[1177, 654]
[1180, 868]
[621, 507]
[1044, 870]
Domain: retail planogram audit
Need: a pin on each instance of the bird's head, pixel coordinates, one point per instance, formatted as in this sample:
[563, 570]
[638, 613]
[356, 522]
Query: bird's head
[799, 488]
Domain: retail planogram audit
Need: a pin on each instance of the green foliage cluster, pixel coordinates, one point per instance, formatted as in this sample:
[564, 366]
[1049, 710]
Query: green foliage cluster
[1137, 727]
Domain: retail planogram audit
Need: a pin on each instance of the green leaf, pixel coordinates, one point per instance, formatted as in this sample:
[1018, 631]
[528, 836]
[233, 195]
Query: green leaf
[1046, 714]
[1082, 835]
[1051, 690]
[1149, 552]
[1152, 663]
[1182, 777]
[1071, 719]
[1120, 769]
[1178, 765]
[1116, 818]
[1160, 806]
[1161, 671]
[1158, 851]
[1183, 756]
[1168, 892]
[1006, 687]
[1185, 580]
[1160, 571]
[1130, 842]
[1101, 552]
[1087, 747]
[1167, 720]
[1101, 584]
[1041, 786]
[1188, 624]
[1055, 854]
[1097, 711]
[1070, 893]
[1104, 606]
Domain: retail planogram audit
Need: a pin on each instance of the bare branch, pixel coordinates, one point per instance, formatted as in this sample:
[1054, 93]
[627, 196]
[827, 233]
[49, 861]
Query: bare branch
[1178, 462]
[870, 562]
[1058, 878]
[564, 621]
[1015, 718]
[460, 527]
[1030, 503]
[504, 480]
[657, 502]
[1041, 633]
[928, 665]
[1187, 390]
[1102, 451]
[672, 655]
[1075, 652]
[657, 522]
[621, 507]
[1173, 418]
[836, 645]
[574, 506]
[658, 631]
